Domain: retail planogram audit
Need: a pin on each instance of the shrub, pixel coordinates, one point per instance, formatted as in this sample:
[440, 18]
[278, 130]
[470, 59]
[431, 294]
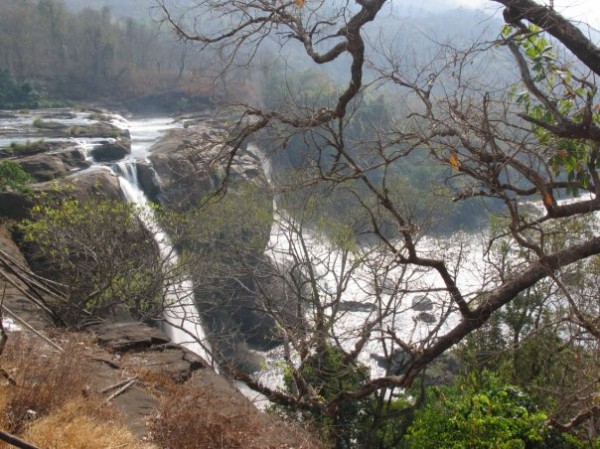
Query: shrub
[13, 177]
[101, 251]
[482, 414]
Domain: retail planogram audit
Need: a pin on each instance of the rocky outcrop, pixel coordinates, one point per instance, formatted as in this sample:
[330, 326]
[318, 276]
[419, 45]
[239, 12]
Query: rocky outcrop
[110, 151]
[192, 163]
[30, 148]
[148, 180]
[100, 184]
[134, 337]
[45, 167]
[15, 205]
[422, 304]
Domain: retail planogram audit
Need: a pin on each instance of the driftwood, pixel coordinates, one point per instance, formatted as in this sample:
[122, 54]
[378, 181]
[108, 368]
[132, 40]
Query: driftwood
[15, 441]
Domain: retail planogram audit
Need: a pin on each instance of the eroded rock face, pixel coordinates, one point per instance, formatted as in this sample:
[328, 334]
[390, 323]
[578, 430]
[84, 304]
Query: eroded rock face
[15, 205]
[148, 180]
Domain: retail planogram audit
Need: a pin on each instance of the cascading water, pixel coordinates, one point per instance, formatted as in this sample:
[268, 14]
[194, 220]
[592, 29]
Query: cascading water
[183, 323]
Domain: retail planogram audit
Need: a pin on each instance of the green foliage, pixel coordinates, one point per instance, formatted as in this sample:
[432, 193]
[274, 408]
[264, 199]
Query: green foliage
[328, 374]
[101, 252]
[13, 177]
[570, 97]
[481, 413]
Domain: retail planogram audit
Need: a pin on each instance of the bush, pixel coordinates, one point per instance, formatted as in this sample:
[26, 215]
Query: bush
[482, 414]
[13, 177]
[101, 252]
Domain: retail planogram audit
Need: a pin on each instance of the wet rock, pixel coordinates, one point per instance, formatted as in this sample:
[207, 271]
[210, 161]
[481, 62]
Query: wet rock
[148, 180]
[110, 151]
[426, 318]
[422, 304]
[356, 306]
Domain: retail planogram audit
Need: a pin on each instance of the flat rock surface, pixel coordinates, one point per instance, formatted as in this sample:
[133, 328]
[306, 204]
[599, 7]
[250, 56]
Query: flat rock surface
[128, 336]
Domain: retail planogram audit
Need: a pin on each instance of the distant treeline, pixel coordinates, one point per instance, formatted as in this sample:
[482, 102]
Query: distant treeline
[48, 52]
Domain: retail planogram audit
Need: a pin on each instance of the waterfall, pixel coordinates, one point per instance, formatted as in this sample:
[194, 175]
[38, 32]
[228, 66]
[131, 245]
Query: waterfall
[182, 322]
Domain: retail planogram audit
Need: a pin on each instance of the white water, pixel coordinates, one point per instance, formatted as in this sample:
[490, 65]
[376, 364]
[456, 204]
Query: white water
[183, 323]
[388, 310]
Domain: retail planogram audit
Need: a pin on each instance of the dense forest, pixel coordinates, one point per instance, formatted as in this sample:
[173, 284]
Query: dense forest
[51, 53]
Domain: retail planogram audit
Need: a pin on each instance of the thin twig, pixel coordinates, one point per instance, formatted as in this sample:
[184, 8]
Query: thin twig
[117, 385]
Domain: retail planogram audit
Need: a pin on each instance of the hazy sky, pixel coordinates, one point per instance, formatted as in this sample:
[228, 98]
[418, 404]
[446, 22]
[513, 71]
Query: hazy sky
[584, 10]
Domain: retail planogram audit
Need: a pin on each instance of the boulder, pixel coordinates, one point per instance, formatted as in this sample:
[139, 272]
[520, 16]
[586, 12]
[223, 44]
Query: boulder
[426, 317]
[45, 167]
[110, 151]
[99, 184]
[191, 163]
[148, 180]
[422, 304]
[101, 129]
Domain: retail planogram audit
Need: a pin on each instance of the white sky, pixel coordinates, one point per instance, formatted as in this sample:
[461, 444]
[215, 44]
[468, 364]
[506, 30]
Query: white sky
[587, 11]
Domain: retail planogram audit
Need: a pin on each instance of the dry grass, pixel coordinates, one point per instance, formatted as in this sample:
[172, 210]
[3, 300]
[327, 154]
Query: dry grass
[44, 381]
[51, 404]
[193, 417]
[73, 427]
